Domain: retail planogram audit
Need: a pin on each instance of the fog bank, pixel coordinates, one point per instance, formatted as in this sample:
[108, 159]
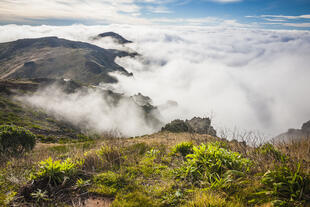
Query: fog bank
[246, 78]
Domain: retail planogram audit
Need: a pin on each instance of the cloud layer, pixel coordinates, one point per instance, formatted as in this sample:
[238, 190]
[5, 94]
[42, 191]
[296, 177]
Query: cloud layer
[249, 79]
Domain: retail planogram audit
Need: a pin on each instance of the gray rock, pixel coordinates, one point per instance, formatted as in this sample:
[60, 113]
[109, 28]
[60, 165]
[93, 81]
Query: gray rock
[195, 125]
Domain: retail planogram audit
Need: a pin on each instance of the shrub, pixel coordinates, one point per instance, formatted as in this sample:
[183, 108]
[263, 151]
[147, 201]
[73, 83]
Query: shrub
[286, 185]
[133, 199]
[111, 155]
[213, 163]
[269, 150]
[15, 140]
[108, 184]
[177, 126]
[183, 148]
[209, 199]
[56, 172]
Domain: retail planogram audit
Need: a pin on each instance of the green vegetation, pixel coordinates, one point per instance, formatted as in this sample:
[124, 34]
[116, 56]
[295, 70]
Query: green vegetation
[55, 172]
[14, 141]
[188, 171]
[46, 128]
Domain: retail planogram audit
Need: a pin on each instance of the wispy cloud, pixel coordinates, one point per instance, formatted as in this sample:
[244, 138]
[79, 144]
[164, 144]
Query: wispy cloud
[225, 1]
[111, 11]
[301, 25]
[300, 21]
[159, 9]
[307, 16]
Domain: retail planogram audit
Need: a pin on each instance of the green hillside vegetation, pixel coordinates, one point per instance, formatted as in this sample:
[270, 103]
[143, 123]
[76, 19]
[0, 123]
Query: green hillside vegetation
[44, 126]
[163, 169]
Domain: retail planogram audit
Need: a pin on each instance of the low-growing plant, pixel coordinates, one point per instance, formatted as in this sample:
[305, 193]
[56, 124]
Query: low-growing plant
[286, 185]
[15, 140]
[210, 199]
[269, 150]
[210, 163]
[56, 172]
[134, 199]
[108, 183]
[111, 155]
[40, 196]
[183, 149]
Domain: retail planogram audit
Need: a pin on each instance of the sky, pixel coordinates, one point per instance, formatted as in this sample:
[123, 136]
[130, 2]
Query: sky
[270, 14]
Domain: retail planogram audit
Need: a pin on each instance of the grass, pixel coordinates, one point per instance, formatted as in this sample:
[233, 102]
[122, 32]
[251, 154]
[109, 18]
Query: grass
[157, 170]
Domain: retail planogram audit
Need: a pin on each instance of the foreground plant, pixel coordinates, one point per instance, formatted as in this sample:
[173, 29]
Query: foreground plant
[213, 163]
[287, 186]
[56, 172]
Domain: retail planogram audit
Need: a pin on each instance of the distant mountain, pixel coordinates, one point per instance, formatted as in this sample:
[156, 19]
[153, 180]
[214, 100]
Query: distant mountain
[293, 134]
[52, 57]
[118, 38]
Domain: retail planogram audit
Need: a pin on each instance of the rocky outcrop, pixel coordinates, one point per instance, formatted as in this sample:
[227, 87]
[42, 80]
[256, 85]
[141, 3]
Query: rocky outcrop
[306, 127]
[194, 125]
[294, 134]
[116, 37]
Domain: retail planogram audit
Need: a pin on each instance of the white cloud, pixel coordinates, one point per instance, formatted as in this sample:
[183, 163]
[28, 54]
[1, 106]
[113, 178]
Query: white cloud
[225, 1]
[116, 11]
[300, 25]
[159, 9]
[306, 16]
[248, 78]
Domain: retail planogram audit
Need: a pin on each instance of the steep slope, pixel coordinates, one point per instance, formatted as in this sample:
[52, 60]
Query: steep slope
[52, 57]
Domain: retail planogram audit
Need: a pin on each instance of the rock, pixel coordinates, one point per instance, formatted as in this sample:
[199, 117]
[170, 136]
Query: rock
[295, 134]
[195, 125]
[306, 127]
[118, 38]
[201, 126]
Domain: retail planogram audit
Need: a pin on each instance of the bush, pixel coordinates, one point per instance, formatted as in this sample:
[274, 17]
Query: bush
[210, 199]
[111, 155]
[15, 140]
[212, 163]
[56, 172]
[286, 185]
[270, 151]
[108, 184]
[183, 148]
[177, 126]
[133, 199]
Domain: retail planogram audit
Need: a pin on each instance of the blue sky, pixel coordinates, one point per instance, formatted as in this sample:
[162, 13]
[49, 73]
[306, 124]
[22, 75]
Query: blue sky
[274, 14]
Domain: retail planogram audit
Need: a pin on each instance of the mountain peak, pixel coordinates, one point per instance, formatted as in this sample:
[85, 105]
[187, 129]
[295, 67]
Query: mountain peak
[118, 38]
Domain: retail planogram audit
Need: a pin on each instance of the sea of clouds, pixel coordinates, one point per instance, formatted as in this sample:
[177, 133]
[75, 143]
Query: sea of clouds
[243, 78]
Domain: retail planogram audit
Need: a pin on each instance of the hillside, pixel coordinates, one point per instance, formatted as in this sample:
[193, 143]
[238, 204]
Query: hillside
[163, 169]
[55, 58]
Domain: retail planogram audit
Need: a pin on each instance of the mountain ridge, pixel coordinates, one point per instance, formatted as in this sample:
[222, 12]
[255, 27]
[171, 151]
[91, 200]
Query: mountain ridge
[53, 57]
